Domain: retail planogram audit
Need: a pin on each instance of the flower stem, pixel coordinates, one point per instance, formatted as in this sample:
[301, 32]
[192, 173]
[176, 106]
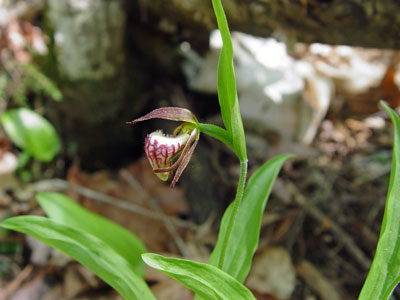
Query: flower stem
[236, 204]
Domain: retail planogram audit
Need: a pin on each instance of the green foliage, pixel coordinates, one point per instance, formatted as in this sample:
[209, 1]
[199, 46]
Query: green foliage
[63, 210]
[243, 240]
[33, 79]
[31, 132]
[227, 93]
[230, 112]
[205, 280]
[87, 249]
[3, 86]
[384, 274]
[23, 160]
[7, 246]
[28, 130]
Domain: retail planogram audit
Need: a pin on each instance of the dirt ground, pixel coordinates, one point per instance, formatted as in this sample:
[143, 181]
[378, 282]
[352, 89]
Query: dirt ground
[324, 214]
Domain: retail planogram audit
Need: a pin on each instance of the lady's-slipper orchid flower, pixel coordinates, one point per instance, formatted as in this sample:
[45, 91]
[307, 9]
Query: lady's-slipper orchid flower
[161, 150]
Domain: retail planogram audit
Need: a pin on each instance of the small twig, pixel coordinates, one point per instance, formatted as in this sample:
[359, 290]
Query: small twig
[62, 185]
[15, 284]
[348, 242]
[317, 281]
[131, 180]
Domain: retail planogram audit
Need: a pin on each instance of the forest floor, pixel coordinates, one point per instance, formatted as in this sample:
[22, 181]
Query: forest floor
[320, 227]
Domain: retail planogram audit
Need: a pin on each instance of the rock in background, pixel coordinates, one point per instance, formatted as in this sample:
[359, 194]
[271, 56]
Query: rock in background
[276, 91]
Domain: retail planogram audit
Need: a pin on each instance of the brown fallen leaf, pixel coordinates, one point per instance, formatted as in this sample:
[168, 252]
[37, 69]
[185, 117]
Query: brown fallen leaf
[170, 200]
[153, 194]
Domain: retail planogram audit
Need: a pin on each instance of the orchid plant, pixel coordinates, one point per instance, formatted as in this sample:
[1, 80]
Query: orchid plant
[117, 256]
[161, 149]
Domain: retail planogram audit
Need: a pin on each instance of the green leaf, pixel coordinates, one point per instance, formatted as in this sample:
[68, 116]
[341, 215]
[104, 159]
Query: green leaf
[227, 93]
[238, 137]
[226, 76]
[37, 81]
[62, 209]
[3, 86]
[86, 249]
[31, 132]
[216, 132]
[384, 273]
[243, 240]
[23, 159]
[205, 280]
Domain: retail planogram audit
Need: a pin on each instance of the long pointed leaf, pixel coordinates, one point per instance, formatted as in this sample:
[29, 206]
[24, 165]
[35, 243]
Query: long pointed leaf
[226, 76]
[86, 249]
[227, 93]
[245, 233]
[62, 209]
[384, 274]
[205, 280]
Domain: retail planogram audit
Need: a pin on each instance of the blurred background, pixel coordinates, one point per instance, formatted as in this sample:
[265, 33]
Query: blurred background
[310, 74]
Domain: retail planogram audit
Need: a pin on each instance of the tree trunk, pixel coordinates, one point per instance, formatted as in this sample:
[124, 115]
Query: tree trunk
[101, 92]
[109, 63]
[365, 23]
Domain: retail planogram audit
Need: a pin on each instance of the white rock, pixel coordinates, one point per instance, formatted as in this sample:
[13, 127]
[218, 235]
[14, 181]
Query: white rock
[273, 273]
[270, 84]
[40, 252]
[8, 163]
[352, 72]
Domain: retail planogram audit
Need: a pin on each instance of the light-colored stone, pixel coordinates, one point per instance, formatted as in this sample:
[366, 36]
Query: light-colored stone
[273, 273]
[8, 163]
[270, 85]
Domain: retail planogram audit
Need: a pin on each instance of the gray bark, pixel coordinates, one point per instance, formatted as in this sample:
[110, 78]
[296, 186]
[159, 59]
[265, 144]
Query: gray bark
[88, 38]
[366, 23]
[100, 90]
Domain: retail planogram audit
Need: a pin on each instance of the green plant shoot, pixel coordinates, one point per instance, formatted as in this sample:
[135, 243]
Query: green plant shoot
[227, 93]
[384, 274]
[246, 229]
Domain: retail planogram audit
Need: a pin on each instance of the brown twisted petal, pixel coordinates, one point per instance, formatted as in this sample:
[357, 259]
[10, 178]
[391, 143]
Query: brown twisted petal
[169, 113]
[187, 157]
